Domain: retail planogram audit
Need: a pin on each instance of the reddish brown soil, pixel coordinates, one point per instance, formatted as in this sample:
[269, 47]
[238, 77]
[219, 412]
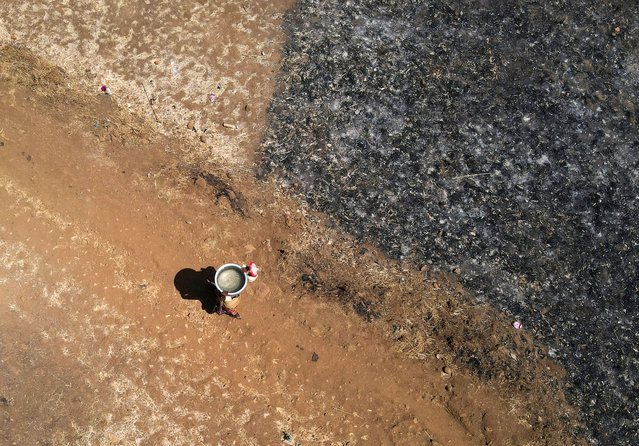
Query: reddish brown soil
[106, 330]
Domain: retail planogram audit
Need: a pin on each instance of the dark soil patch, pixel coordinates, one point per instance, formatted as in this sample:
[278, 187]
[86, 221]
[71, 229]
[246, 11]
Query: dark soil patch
[497, 142]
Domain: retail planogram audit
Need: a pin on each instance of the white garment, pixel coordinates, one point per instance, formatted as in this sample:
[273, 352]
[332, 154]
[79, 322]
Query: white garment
[249, 277]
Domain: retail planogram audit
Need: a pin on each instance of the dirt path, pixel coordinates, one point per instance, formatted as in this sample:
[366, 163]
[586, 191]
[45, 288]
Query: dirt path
[106, 335]
[99, 346]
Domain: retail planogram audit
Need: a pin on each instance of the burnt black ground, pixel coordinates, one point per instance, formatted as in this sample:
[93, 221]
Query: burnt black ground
[500, 140]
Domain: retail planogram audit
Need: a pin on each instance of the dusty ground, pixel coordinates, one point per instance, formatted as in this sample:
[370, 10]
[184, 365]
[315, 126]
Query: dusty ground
[106, 330]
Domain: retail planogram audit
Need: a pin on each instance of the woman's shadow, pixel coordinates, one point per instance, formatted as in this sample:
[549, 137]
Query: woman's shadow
[198, 285]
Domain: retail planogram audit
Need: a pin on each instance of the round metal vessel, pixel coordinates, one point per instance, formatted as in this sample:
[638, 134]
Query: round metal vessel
[230, 277]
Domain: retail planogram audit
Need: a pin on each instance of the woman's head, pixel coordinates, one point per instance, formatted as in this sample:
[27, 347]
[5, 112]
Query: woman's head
[252, 269]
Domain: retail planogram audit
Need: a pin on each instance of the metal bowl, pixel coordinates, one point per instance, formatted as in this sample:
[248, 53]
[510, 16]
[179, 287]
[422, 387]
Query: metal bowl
[230, 277]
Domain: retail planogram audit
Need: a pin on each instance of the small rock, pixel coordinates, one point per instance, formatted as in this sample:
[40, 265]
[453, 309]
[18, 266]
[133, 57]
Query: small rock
[231, 194]
[4, 401]
[587, 64]
[447, 371]
[224, 202]
[209, 243]
[229, 126]
[629, 106]
[349, 347]
[202, 138]
[600, 95]
[457, 270]
[190, 125]
[200, 182]
[314, 357]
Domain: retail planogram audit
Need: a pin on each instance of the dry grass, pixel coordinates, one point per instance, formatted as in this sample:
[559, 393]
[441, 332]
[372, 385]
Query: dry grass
[19, 65]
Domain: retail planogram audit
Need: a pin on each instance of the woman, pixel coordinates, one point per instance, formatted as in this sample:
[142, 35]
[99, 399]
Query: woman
[229, 303]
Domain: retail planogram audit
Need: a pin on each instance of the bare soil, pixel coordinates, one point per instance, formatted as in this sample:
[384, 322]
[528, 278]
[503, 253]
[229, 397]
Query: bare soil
[112, 224]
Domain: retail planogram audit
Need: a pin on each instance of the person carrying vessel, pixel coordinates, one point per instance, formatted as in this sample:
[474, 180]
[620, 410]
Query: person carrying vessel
[228, 304]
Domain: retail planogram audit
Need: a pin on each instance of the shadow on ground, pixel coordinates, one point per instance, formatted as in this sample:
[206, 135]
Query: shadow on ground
[198, 285]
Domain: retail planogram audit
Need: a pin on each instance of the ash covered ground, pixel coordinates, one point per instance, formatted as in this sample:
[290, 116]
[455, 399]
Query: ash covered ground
[496, 140]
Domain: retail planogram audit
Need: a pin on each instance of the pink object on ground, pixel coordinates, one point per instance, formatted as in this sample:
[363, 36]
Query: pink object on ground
[517, 325]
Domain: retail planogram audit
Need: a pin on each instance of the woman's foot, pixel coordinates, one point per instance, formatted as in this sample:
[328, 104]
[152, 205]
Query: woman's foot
[230, 312]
